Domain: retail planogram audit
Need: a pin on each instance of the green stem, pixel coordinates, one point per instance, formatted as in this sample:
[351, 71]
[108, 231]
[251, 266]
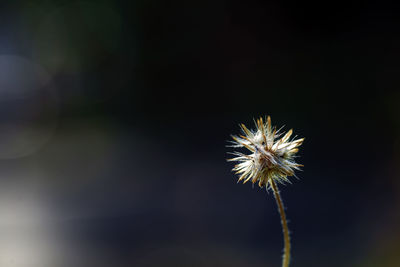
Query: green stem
[285, 229]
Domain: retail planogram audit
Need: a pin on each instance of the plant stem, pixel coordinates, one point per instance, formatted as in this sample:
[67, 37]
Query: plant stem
[285, 229]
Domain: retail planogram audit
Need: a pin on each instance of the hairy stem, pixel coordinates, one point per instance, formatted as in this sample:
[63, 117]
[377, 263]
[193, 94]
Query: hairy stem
[285, 229]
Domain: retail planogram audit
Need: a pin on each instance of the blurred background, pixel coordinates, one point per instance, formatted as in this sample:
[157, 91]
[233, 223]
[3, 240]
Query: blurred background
[115, 116]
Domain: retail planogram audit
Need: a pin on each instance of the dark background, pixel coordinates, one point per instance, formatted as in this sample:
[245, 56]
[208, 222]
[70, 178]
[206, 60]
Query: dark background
[114, 117]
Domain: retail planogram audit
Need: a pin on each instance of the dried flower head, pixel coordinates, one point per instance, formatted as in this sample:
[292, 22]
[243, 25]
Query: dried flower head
[271, 158]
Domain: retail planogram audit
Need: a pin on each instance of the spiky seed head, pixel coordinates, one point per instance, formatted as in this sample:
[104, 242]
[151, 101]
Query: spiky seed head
[271, 154]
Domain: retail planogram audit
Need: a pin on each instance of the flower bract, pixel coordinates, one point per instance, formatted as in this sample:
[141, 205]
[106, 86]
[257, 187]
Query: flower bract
[271, 154]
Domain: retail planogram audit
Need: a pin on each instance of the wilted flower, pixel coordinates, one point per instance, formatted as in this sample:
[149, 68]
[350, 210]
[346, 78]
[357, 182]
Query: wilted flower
[271, 157]
[271, 161]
